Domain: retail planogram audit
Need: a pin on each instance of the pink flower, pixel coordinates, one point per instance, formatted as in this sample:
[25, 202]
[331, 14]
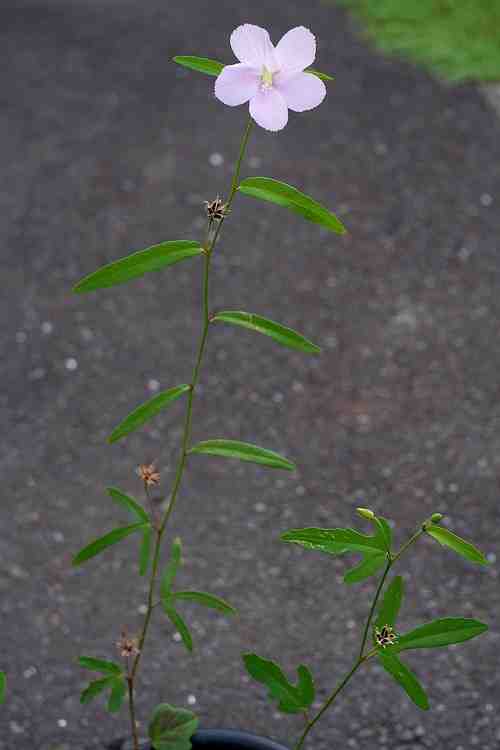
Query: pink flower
[271, 78]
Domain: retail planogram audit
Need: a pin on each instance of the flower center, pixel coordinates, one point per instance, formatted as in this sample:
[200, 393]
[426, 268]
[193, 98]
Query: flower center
[266, 79]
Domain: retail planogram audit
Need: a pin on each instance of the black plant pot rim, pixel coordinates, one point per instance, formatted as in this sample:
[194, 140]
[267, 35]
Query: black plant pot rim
[230, 739]
[227, 739]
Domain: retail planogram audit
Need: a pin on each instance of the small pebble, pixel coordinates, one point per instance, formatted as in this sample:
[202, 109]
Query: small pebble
[216, 159]
[71, 364]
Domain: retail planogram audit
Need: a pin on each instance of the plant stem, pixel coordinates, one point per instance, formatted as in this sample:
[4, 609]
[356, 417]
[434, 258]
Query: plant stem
[372, 608]
[186, 436]
[361, 656]
[407, 544]
[326, 705]
[133, 723]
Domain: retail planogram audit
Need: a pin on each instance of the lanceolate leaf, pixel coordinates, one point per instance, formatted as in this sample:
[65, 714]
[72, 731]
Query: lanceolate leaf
[324, 76]
[145, 551]
[368, 566]
[384, 531]
[180, 624]
[200, 64]
[319, 539]
[94, 689]
[391, 603]
[118, 691]
[243, 451]
[129, 503]
[132, 266]
[441, 633]
[214, 67]
[172, 728]
[207, 600]
[448, 539]
[146, 411]
[3, 685]
[171, 570]
[281, 334]
[94, 548]
[100, 665]
[291, 698]
[335, 541]
[405, 677]
[285, 195]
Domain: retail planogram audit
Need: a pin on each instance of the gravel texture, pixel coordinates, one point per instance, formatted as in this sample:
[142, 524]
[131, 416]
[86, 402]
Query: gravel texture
[107, 147]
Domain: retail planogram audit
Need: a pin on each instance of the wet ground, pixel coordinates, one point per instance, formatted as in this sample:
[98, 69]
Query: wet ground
[107, 147]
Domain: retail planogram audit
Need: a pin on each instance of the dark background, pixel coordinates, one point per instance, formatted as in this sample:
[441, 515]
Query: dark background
[106, 146]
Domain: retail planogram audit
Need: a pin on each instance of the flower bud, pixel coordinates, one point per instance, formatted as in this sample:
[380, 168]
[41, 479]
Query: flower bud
[436, 517]
[365, 513]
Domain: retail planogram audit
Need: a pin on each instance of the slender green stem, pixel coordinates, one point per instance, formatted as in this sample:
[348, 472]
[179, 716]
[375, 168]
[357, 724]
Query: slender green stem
[361, 656]
[133, 723]
[372, 608]
[186, 437]
[326, 705]
[407, 544]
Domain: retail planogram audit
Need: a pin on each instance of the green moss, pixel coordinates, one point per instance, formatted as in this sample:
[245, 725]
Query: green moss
[458, 39]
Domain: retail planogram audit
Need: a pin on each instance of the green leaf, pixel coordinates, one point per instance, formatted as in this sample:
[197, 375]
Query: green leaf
[94, 688]
[117, 695]
[391, 603]
[201, 64]
[128, 503]
[384, 531]
[291, 698]
[208, 600]
[285, 195]
[145, 411]
[94, 548]
[441, 633]
[178, 623]
[405, 678]
[312, 538]
[368, 566]
[3, 687]
[172, 728]
[171, 570]
[132, 266]
[323, 76]
[448, 539]
[243, 451]
[100, 665]
[335, 541]
[281, 334]
[306, 685]
[145, 551]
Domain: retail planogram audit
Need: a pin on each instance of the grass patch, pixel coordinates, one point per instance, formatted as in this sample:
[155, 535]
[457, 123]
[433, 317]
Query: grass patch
[458, 39]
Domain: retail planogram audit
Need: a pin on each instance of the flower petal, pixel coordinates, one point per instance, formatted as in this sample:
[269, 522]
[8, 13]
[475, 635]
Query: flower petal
[296, 50]
[268, 109]
[236, 84]
[252, 45]
[302, 91]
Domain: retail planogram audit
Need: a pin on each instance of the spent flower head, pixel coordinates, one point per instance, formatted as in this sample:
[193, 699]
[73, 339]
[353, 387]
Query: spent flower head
[149, 474]
[127, 645]
[272, 79]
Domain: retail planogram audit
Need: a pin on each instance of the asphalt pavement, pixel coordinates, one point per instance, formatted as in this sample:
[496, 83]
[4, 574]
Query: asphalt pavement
[107, 147]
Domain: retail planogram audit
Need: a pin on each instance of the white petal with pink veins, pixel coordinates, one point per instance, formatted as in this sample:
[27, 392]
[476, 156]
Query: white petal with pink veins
[268, 109]
[302, 92]
[252, 45]
[296, 50]
[236, 84]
